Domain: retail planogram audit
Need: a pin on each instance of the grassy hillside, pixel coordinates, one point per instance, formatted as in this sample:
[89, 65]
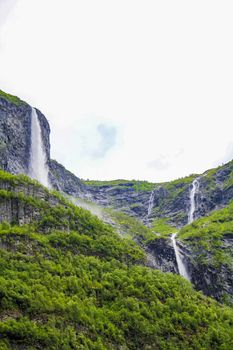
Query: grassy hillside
[209, 233]
[69, 281]
[11, 98]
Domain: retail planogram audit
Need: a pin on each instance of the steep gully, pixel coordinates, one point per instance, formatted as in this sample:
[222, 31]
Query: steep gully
[182, 268]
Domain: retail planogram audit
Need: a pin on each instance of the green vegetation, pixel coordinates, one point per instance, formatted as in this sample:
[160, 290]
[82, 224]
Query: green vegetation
[65, 291]
[176, 187]
[106, 183]
[15, 181]
[143, 186]
[210, 176]
[206, 237]
[181, 182]
[161, 227]
[13, 99]
[229, 182]
[137, 185]
[130, 226]
[68, 281]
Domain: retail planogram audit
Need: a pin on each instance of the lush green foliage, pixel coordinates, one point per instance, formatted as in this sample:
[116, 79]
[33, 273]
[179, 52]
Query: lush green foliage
[15, 181]
[68, 281]
[130, 226]
[162, 228]
[11, 98]
[179, 183]
[143, 186]
[106, 183]
[137, 185]
[57, 293]
[206, 237]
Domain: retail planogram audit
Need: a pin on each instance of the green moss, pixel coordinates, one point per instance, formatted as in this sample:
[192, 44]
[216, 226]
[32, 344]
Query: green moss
[13, 99]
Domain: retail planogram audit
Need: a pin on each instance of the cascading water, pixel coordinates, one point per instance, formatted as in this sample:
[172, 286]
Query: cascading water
[38, 168]
[194, 189]
[181, 266]
[150, 204]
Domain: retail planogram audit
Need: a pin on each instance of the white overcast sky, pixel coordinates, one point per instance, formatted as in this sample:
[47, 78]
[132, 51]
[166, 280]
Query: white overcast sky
[132, 89]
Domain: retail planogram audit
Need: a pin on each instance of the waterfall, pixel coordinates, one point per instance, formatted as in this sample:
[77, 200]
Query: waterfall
[38, 168]
[195, 186]
[150, 204]
[181, 266]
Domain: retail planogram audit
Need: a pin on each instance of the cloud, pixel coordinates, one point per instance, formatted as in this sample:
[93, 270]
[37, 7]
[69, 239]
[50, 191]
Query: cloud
[164, 162]
[94, 138]
[159, 163]
[107, 140]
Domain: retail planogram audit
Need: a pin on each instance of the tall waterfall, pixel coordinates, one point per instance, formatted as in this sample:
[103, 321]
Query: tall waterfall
[181, 266]
[150, 204]
[194, 189]
[38, 168]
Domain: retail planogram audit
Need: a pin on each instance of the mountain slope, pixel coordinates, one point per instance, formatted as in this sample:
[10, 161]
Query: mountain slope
[209, 249]
[124, 203]
[68, 281]
[171, 200]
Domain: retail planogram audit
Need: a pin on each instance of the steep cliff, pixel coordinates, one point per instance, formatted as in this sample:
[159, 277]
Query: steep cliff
[15, 144]
[15, 135]
[207, 245]
[171, 200]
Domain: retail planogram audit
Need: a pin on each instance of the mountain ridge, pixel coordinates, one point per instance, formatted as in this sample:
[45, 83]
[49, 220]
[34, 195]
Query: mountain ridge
[143, 214]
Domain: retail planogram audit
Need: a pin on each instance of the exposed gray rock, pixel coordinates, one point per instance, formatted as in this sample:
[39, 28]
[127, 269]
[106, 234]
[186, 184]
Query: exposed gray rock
[15, 136]
[64, 181]
[215, 281]
[161, 255]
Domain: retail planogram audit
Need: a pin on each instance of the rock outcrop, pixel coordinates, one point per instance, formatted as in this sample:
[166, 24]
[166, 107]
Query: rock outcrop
[63, 180]
[15, 136]
[15, 144]
[161, 255]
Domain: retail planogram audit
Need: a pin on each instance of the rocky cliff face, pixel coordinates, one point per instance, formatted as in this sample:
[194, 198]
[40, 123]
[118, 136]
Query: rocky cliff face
[170, 200]
[15, 136]
[213, 280]
[64, 181]
[15, 144]
[161, 255]
[215, 189]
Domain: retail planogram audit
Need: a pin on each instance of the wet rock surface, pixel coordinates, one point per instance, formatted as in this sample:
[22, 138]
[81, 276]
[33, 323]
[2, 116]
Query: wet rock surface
[161, 255]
